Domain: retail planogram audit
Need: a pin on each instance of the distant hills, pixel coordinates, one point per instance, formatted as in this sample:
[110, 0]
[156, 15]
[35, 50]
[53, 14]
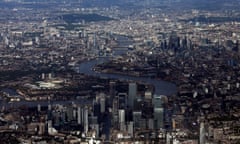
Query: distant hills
[196, 4]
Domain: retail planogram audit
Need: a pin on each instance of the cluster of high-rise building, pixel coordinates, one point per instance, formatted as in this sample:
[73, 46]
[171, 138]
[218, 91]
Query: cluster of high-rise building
[134, 74]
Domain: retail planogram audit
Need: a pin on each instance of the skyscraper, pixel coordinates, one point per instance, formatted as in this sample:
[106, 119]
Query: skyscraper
[157, 101]
[121, 116]
[132, 93]
[158, 117]
[112, 88]
[102, 104]
[112, 92]
[86, 119]
[174, 42]
[158, 112]
[79, 115]
[202, 134]
[137, 116]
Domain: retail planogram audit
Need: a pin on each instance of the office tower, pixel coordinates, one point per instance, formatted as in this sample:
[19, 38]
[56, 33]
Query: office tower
[132, 93]
[137, 116]
[130, 128]
[202, 134]
[74, 114]
[69, 113]
[121, 116]
[158, 112]
[174, 42]
[79, 115]
[115, 106]
[86, 119]
[157, 101]
[102, 104]
[122, 100]
[150, 124]
[158, 118]
[96, 109]
[112, 91]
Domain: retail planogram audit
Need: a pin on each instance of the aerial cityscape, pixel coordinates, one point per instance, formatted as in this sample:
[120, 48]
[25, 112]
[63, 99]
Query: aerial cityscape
[119, 72]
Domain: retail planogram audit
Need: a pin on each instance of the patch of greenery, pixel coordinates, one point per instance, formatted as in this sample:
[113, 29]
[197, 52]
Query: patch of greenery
[69, 26]
[203, 19]
[76, 18]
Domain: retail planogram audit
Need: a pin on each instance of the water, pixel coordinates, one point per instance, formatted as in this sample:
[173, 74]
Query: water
[161, 87]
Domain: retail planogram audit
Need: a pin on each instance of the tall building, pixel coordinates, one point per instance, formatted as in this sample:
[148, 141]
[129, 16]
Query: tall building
[112, 89]
[130, 128]
[202, 134]
[137, 116]
[74, 114]
[96, 109]
[174, 42]
[70, 113]
[115, 106]
[112, 93]
[86, 119]
[122, 100]
[158, 118]
[157, 101]
[150, 124]
[132, 93]
[158, 111]
[102, 101]
[79, 115]
[121, 116]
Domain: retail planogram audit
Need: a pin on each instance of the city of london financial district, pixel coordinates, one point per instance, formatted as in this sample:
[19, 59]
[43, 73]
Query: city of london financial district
[120, 72]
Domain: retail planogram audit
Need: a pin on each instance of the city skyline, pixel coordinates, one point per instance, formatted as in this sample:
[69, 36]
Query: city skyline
[113, 71]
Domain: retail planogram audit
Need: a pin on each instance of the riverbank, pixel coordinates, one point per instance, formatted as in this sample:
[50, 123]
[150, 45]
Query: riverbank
[161, 87]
